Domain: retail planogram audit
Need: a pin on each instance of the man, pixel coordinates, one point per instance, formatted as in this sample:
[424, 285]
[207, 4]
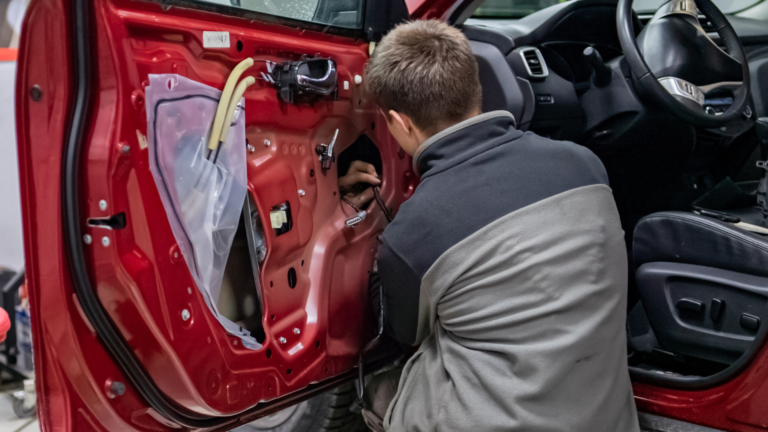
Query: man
[507, 265]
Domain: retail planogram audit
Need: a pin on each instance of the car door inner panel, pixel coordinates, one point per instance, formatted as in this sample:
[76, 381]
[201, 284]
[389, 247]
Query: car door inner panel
[291, 290]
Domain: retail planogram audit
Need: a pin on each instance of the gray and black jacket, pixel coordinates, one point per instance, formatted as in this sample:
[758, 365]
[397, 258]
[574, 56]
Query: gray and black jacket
[508, 266]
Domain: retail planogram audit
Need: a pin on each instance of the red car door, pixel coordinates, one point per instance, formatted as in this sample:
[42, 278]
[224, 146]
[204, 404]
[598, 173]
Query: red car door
[123, 337]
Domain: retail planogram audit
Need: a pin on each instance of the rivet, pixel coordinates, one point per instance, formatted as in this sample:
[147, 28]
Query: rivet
[251, 148]
[125, 149]
[175, 254]
[117, 388]
[301, 192]
[267, 142]
[36, 93]
[283, 340]
[189, 290]
[358, 79]
[137, 99]
[185, 315]
[103, 204]
[105, 241]
[87, 239]
[296, 331]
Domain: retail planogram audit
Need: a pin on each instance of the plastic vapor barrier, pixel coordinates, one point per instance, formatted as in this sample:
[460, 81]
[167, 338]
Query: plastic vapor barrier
[203, 199]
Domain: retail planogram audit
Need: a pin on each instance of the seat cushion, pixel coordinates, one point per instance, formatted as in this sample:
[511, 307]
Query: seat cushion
[689, 238]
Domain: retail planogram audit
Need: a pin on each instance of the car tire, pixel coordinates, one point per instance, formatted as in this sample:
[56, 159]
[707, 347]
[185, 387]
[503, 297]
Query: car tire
[326, 412]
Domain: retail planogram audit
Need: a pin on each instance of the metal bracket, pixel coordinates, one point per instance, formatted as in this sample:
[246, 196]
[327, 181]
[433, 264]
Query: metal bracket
[325, 152]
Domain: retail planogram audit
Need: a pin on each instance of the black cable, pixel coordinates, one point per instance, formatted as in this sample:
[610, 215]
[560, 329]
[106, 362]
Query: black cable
[382, 204]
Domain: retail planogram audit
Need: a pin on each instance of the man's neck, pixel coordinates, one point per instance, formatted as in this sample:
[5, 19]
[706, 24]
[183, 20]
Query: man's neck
[422, 137]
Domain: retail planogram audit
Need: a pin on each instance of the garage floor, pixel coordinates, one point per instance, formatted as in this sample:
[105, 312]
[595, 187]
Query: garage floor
[10, 423]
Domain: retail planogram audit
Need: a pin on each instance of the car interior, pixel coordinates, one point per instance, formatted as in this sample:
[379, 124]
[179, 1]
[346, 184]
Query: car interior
[686, 173]
[687, 181]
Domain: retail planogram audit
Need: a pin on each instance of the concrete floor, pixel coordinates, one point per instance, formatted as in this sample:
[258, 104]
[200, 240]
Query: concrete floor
[10, 423]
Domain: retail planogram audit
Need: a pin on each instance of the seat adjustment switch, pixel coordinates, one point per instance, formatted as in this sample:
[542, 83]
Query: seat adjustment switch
[689, 304]
[716, 309]
[750, 322]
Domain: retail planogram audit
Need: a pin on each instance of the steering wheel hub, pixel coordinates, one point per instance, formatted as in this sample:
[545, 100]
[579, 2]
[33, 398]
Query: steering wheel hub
[676, 64]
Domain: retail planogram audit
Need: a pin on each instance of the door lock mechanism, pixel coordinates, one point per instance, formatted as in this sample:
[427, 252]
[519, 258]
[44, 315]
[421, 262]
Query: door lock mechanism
[306, 80]
[325, 152]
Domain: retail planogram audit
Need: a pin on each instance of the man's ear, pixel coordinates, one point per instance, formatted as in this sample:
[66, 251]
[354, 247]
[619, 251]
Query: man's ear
[403, 121]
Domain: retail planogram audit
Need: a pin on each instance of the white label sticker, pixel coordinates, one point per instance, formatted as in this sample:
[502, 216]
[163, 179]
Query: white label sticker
[142, 140]
[212, 39]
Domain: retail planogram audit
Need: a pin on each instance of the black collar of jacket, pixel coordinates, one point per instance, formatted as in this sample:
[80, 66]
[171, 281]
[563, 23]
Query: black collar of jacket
[462, 141]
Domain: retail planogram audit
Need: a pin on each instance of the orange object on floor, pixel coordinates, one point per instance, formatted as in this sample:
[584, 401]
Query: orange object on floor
[8, 54]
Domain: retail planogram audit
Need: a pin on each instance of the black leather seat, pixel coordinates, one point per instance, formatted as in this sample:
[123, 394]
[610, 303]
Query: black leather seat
[689, 238]
[703, 284]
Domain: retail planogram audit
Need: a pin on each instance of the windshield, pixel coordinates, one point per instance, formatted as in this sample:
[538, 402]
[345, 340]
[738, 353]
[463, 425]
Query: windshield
[520, 8]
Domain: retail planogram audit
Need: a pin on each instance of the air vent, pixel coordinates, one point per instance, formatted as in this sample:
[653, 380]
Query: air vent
[534, 62]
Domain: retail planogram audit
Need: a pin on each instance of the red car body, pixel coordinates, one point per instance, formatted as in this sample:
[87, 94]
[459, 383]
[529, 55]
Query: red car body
[136, 273]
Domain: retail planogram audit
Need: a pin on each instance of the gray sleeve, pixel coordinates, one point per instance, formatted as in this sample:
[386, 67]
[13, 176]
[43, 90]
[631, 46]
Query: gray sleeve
[401, 285]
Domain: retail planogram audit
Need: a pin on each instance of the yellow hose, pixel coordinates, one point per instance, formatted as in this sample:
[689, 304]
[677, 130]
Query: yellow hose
[226, 95]
[238, 93]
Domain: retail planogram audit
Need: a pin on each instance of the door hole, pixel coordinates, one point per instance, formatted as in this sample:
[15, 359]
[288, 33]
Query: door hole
[365, 150]
[289, 371]
[317, 344]
[239, 46]
[269, 353]
[292, 277]
[115, 222]
[238, 299]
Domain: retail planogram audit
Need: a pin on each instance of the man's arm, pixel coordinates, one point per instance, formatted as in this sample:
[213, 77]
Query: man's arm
[402, 286]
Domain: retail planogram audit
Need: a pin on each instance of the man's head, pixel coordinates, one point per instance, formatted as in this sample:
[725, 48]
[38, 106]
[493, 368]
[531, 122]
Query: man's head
[424, 77]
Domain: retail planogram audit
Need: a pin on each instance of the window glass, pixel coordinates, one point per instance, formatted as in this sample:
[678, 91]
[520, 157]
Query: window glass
[335, 13]
[500, 9]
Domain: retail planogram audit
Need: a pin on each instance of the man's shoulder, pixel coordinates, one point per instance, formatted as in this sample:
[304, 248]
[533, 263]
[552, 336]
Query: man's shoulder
[547, 144]
[568, 155]
[450, 206]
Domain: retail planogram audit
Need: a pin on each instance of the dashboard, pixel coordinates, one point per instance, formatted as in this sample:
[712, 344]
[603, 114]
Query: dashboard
[535, 68]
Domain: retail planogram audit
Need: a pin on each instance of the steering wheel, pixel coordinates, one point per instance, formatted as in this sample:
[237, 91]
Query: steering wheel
[675, 63]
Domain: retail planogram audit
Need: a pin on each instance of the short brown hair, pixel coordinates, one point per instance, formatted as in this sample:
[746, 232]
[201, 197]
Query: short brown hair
[425, 70]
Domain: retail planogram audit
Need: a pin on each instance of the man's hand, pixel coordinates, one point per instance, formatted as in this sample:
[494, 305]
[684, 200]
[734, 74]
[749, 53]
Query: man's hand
[352, 185]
